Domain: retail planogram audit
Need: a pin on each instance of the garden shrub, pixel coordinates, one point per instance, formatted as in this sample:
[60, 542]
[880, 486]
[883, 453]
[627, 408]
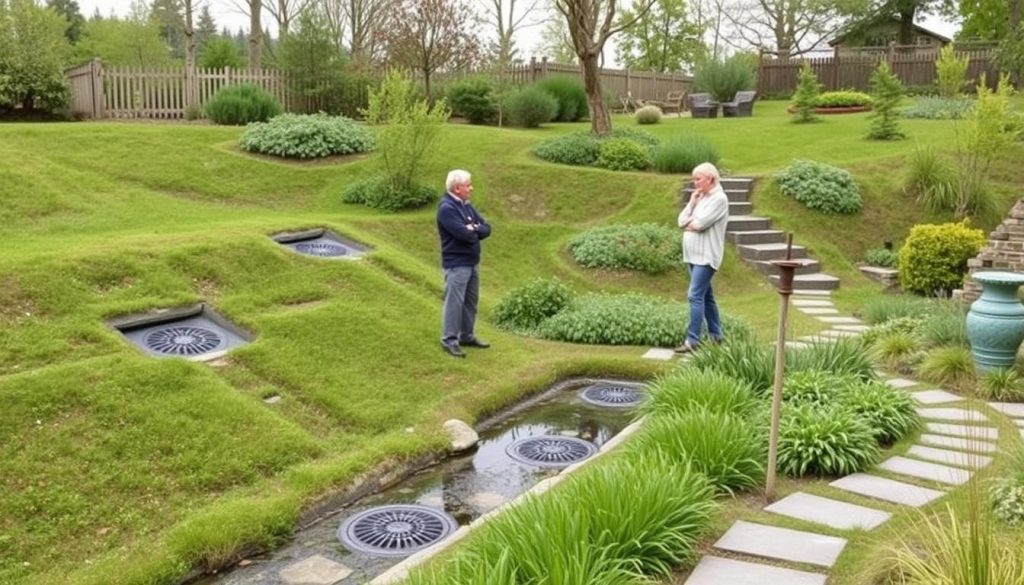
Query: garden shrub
[529, 107]
[695, 389]
[473, 99]
[888, 412]
[883, 257]
[951, 365]
[945, 324]
[241, 104]
[939, 108]
[816, 387]
[886, 93]
[648, 115]
[820, 186]
[907, 325]
[894, 346]
[740, 359]
[950, 72]
[647, 247]
[641, 137]
[806, 96]
[933, 259]
[629, 319]
[842, 99]
[824, 441]
[622, 154]
[570, 95]
[1008, 491]
[932, 179]
[1003, 385]
[525, 307]
[380, 193]
[723, 78]
[682, 153]
[305, 136]
[578, 149]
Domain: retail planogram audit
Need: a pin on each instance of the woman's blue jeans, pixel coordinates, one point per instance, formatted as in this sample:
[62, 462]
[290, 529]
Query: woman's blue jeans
[702, 304]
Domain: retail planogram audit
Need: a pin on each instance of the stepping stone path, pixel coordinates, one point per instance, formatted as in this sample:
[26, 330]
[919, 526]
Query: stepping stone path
[946, 455]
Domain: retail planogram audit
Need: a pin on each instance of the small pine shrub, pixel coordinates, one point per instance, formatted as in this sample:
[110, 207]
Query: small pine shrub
[884, 308]
[842, 99]
[237, 105]
[304, 136]
[647, 247]
[932, 179]
[379, 193]
[525, 307]
[1001, 386]
[806, 97]
[824, 441]
[578, 149]
[820, 186]
[621, 154]
[886, 93]
[883, 257]
[530, 107]
[648, 115]
[950, 366]
[473, 99]
[934, 258]
[695, 389]
[888, 412]
[682, 153]
[570, 95]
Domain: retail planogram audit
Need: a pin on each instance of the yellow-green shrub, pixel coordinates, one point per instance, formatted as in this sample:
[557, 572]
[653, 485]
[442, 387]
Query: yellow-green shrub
[934, 257]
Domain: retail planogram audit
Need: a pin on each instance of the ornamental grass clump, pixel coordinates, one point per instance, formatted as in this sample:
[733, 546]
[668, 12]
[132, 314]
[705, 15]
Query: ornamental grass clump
[692, 389]
[845, 357]
[306, 136]
[1002, 385]
[884, 308]
[646, 247]
[815, 387]
[949, 366]
[820, 186]
[740, 359]
[681, 153]
[824, 441]
[888, 412]
[648, 115]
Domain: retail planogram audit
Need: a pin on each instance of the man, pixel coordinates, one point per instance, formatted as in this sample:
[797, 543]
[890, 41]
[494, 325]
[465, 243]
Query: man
[703, 222]
[461, 228]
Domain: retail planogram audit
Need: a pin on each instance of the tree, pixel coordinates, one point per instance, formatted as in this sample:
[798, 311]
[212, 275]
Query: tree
[72, 14]
[591, 24]
[284, 12]
[867, 14]
[989, 20]
[502, 16]
[220, 52]
[432, 35]
[359, 25]
[313, 61]
[135, 41]
[663, 40]
[784, 27]
[806, 96]
[170, 14]
[555, 40]
[206, 27]
[886, 92]
[33, 50]
[254, 10]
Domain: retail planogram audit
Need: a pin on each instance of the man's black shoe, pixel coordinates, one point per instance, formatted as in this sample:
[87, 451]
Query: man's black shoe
[475, 342]
[453, 348]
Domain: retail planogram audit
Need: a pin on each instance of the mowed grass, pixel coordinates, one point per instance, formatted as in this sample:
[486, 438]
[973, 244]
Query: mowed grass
[118, 468]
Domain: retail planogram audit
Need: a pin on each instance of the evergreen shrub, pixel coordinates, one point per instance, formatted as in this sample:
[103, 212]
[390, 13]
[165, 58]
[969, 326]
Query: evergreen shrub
[886, 93]
[933, 259]
[820, 186]
[306, 136]
[529, 107]
[682, 153]
[241, 104]
[647, 247]
[380, 193]
[883, 257]
[950, 72]
[570, 95]
[723, 78]
[525, 307]
[648, 115]
[473, 99]
[806, 96]
[578, 149]
[622, 154]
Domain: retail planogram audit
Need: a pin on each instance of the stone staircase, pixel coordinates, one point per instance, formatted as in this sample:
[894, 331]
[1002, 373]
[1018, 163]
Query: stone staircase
[758, 244]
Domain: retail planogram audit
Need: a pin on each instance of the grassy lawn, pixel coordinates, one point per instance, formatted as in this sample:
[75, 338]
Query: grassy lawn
[118, 468]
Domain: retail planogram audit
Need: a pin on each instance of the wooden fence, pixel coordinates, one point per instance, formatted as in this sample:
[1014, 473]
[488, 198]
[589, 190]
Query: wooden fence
[103, 91]
[846, 71]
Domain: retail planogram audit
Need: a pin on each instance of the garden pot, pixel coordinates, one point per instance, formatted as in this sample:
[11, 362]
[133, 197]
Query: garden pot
[995, 323]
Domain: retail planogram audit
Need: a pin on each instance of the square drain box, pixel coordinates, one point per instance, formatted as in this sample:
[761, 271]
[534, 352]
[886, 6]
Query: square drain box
[194, 333]
[321, 243]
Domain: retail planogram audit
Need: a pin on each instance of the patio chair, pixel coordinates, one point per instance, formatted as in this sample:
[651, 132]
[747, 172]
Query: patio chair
[702, 106]
[742, 105]
[673, 102]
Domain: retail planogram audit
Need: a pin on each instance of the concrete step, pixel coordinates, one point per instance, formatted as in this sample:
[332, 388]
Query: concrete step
[756, 237]
[809, 266]
[740, 208]
[770, 251]
[818, 281]
[737, 183]
[746, 223]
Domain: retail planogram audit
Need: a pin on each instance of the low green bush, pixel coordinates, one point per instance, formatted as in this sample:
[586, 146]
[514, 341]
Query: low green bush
[888, 412]
[824, 441]
[473, 99]
[306, 136]
[578, 149]
[949, 366]
[934, 258]
[379, 193]
[237, 105]
[815, 387]
[525, 307]
[570, 95]
[1002, 386]
[621, 154]
[939, 108]
[1007, 492]
[529, 107]
[842, 99]
[648, 115]
[883, 308]
[695, 389]
[646, 247]
[641, 137]
[820, 186]
[883, 257]
[680, 154]
[630, 319]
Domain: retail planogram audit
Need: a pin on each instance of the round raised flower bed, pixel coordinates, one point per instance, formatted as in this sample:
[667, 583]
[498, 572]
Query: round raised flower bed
[835, 110]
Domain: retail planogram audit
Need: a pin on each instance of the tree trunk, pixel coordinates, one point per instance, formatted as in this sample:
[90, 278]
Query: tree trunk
[600, 120]
[907, 14]
[190, 57]
[255, 35]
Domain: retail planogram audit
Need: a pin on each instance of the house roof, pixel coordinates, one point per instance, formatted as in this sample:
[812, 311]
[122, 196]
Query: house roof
[917, 29]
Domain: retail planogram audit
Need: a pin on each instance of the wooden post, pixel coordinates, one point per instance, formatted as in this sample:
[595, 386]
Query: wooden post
[99, 106]
[787, 269]
[835, 68]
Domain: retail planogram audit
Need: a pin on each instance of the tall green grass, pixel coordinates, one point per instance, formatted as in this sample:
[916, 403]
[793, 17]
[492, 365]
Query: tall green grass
[681, 153]
[694, 389]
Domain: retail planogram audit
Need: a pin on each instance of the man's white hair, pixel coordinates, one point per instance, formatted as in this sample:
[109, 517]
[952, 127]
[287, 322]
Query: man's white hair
[456, 177]
[708, 170]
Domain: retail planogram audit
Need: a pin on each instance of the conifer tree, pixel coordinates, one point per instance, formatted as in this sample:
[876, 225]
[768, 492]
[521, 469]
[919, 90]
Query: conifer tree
[886, 92]
[806, 96]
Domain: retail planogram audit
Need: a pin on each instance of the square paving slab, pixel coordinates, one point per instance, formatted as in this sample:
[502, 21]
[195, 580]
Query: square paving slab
[818, 310]
[923, 470]
[1019, 422]
[953, 414]
[810, 292]
[841, 320]
[659, 353]
[889, 490]
[839, 333]
[812, 303]
[828, 512]
[968, 431]
[782, 543]
[1011, 409]
[854, 328]
[949, 457]
[315, 570]
[935, 397]
[901, 383]
[719, 571]
[958, 443]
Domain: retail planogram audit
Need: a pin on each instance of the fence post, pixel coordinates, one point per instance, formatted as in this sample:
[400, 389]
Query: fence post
[99, 105]
[533, 69]
[544, 67]
[835, 67]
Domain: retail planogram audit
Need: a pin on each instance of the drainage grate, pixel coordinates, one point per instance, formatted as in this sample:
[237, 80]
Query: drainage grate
[183, 340]
[321, 243]
[612, 395]
[550, 451]
[320, 248]
[397, 530]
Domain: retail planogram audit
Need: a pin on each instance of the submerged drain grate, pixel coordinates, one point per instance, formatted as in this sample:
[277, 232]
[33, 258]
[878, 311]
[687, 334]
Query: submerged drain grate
[396, 530]
[612, 395]
[321, 248]
[183, 340]
[321, 243]
[550, 451]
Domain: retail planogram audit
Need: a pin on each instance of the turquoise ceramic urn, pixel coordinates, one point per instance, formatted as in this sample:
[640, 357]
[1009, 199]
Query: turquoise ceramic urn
[995, 323]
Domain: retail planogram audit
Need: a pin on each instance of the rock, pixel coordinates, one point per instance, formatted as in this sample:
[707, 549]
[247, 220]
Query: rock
[462, 436]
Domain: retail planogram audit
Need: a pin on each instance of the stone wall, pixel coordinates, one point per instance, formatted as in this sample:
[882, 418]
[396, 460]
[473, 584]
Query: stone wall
[1004, 252]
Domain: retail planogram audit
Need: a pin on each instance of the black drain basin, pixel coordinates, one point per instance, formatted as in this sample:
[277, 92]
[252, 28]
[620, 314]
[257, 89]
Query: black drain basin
[321, 243]
[183, 340]
[396, 530]
[550, 450]
[613, 395]
[194, 333]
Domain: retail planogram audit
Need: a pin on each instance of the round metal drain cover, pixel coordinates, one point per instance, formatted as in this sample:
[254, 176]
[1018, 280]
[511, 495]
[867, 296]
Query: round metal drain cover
[612, 395]
[321, 249]
[397, 530]
[550, 451]
[183, 340]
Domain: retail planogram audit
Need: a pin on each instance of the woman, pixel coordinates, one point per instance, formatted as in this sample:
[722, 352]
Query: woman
[703, 222]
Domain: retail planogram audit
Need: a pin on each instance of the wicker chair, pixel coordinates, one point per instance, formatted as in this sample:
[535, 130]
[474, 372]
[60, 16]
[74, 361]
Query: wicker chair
[702, 106]
[742, 105]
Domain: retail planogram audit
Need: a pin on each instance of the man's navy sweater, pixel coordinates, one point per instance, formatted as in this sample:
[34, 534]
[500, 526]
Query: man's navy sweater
[460, 246]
